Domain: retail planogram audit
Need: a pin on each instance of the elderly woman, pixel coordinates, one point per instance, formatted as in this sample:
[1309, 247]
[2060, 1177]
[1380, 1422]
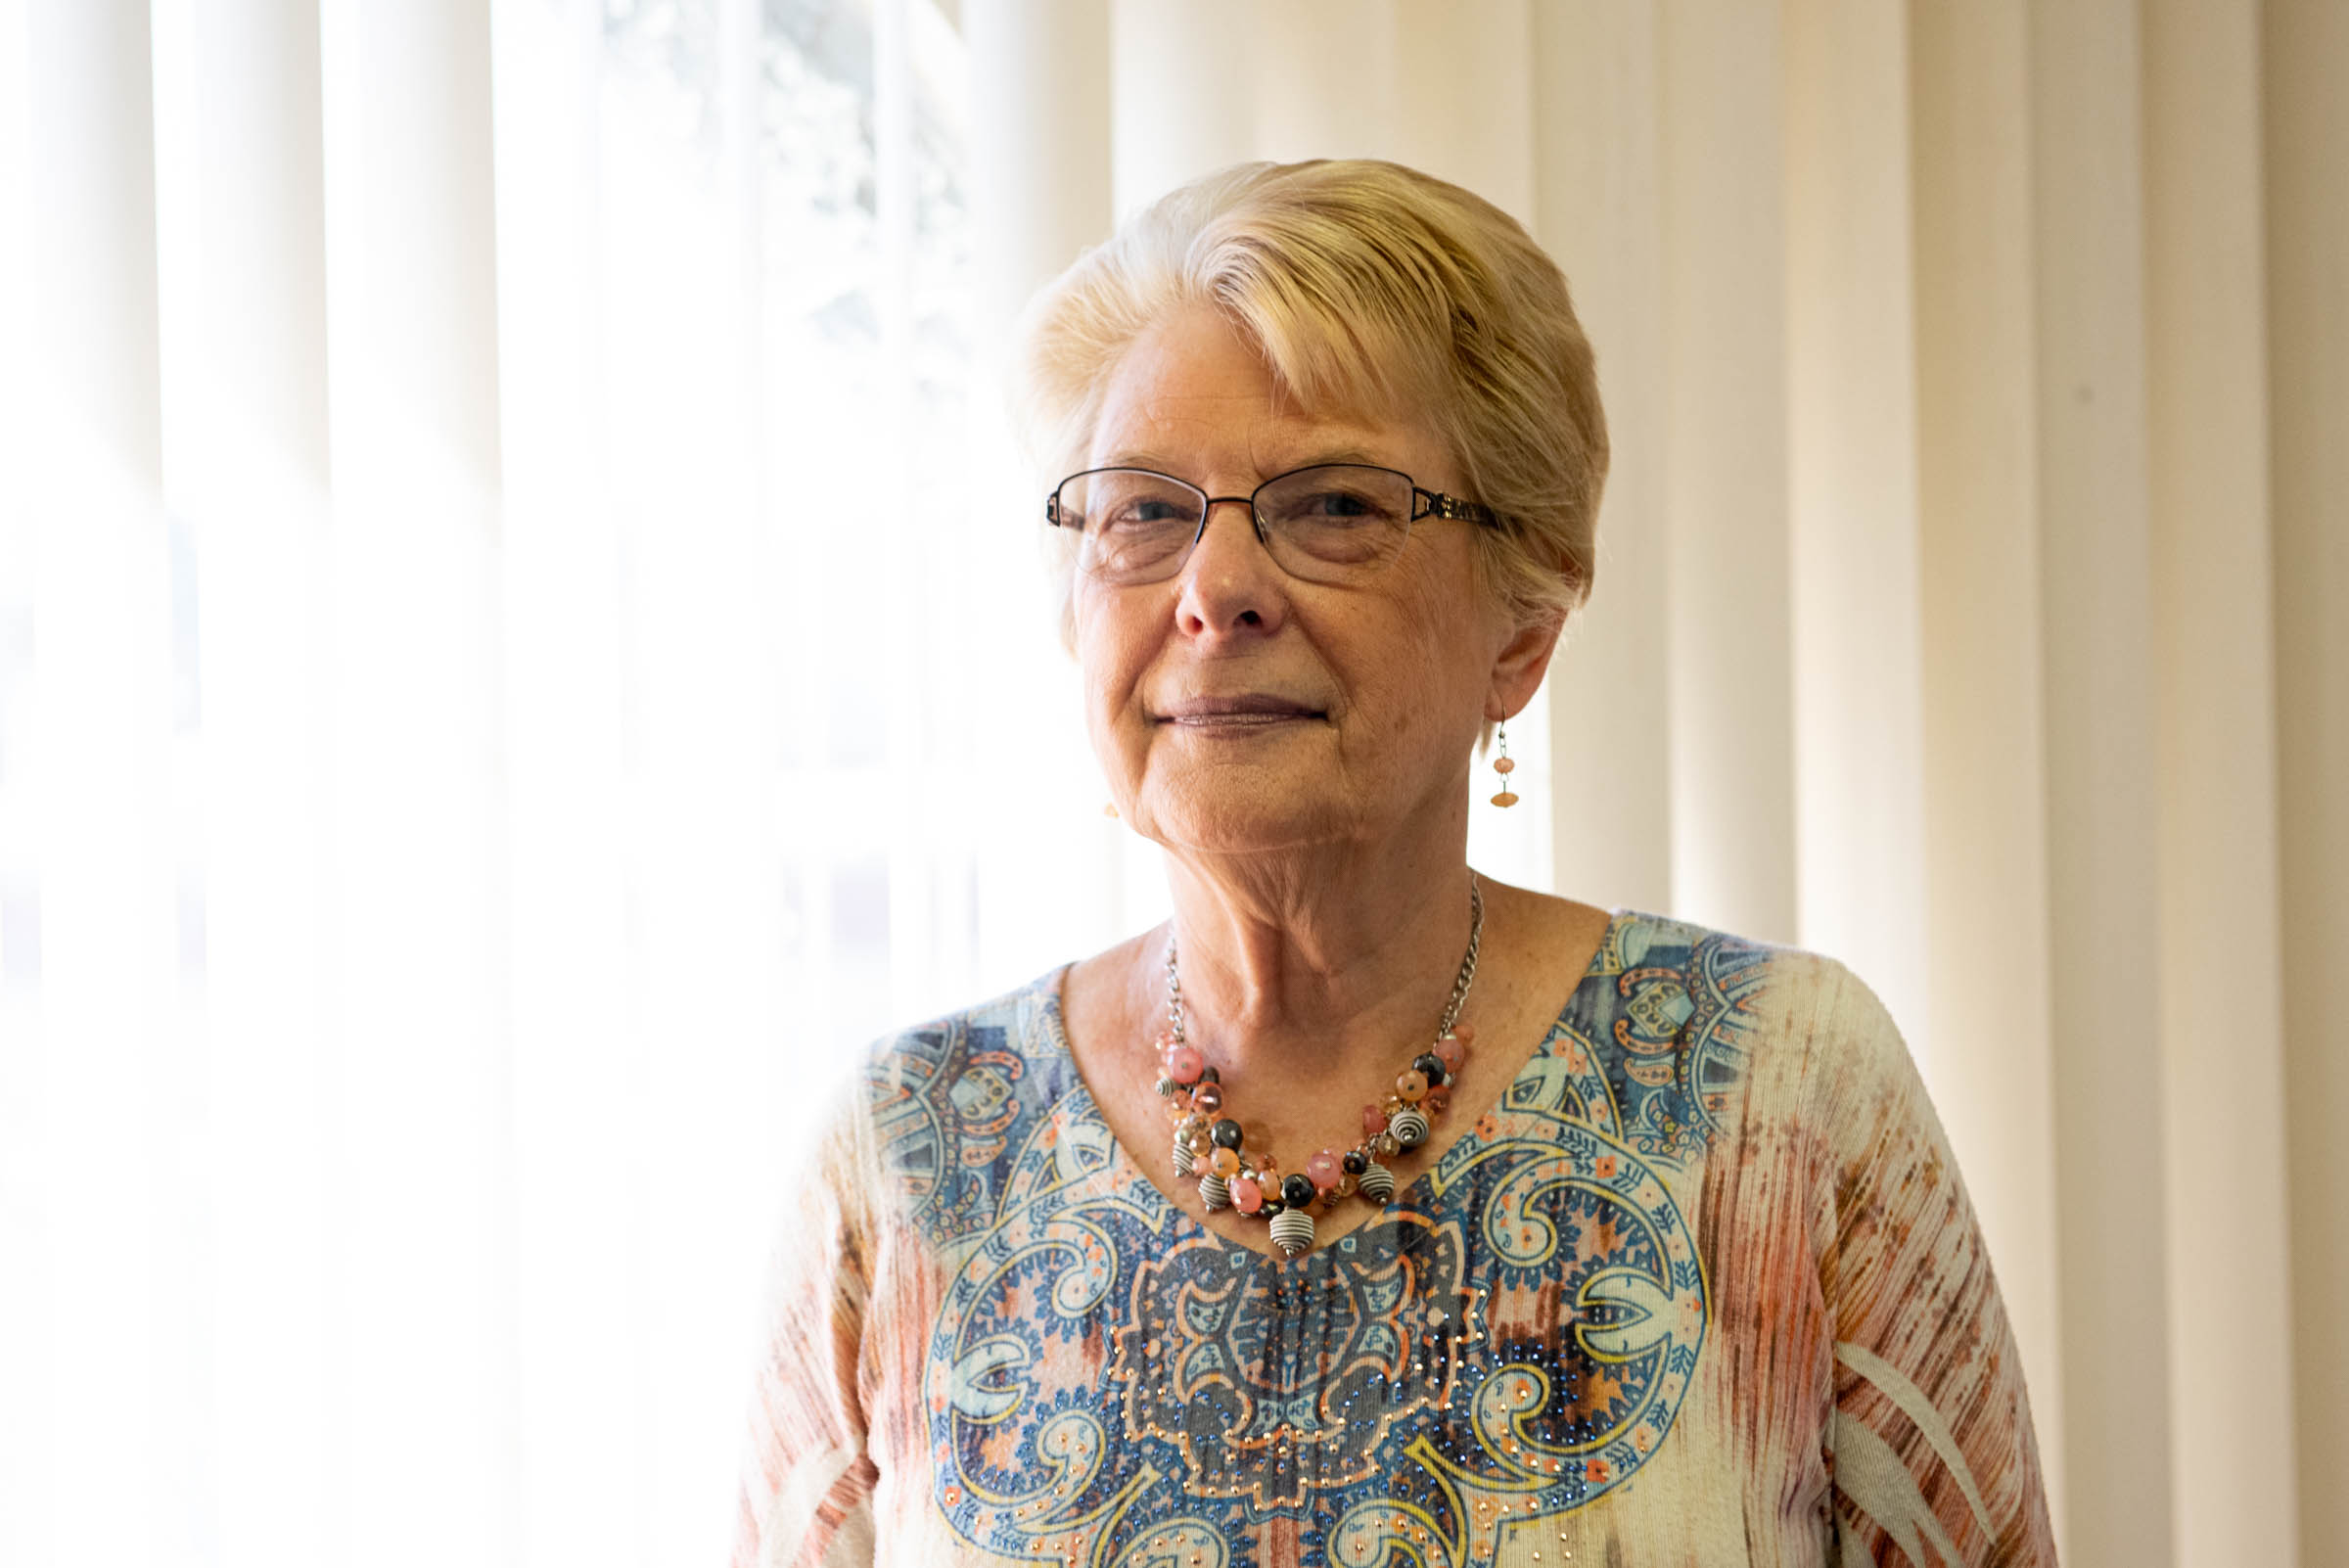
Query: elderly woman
[1369, 1211]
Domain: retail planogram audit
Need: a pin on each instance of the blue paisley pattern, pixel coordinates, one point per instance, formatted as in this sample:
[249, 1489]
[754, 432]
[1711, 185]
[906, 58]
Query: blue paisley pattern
[1106, 1382]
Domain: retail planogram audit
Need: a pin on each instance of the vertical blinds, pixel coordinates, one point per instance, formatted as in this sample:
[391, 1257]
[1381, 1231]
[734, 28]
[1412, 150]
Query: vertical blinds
[520, 646]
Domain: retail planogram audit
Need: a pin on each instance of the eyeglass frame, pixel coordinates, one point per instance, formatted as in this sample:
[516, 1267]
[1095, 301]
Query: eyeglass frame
[1424, 503]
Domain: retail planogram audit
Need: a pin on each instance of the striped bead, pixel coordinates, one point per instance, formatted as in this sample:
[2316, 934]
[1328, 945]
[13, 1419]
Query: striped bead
[1292, 1230]
[1185, 1160]
[1213, 1192]
[1409, 1126]
[1376, 1182]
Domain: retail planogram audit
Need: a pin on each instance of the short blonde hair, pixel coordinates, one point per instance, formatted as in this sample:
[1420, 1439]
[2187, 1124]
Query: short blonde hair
[1369, 288]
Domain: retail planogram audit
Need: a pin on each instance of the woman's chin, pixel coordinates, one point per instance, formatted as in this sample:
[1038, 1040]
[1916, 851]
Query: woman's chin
[1270, 816]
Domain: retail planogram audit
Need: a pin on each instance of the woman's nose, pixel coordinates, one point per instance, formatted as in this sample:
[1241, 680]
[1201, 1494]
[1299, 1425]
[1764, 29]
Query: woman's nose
[1231, 583]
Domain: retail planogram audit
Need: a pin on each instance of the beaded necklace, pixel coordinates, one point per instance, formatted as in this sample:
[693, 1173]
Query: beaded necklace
[1250, 1181]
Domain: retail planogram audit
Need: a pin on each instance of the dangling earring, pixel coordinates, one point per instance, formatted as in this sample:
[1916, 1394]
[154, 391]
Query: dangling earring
[1504, 766]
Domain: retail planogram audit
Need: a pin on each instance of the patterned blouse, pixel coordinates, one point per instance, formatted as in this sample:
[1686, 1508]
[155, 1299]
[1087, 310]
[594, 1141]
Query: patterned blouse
[1703, 1288]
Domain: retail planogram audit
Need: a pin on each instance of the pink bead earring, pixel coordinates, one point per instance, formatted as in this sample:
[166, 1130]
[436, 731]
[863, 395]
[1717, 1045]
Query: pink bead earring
[1504, 766]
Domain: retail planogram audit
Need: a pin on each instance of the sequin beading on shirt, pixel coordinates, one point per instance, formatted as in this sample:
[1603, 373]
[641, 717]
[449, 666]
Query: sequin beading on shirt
[1512, 1340]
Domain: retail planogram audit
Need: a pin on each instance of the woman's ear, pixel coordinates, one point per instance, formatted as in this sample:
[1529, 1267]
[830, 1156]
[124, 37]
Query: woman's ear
[1522, 661]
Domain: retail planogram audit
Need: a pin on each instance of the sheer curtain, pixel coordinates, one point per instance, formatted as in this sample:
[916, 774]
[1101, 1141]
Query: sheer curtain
[521, 647]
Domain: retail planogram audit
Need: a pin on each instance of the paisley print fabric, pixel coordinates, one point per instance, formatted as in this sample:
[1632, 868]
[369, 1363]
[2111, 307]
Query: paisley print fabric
[1701, 1287]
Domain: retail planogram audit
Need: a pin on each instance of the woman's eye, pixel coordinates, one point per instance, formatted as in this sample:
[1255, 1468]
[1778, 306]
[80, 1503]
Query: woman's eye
[1144, 515]
[1337, 504]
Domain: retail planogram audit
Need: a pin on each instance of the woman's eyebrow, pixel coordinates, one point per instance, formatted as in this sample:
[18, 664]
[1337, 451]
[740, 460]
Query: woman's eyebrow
[1336, 454]
[1313, 457]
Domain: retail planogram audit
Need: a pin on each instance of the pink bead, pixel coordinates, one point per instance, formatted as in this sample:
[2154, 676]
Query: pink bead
[1463, 1033]
[1185, 1065]
[1374, 1121]
[1323, 1169]
[1451, 1053]
[1207, 1097]
[1245, 1196]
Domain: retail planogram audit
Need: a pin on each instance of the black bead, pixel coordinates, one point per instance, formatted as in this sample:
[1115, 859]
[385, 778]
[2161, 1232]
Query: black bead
[1208, 1074]
[1295, 1190]
[1226, 1134]
[1272, 1206]
[1429, 1066]
[1354, 1161]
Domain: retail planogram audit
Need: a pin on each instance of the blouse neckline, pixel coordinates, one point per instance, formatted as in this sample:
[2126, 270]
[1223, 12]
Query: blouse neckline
[1079, 1102]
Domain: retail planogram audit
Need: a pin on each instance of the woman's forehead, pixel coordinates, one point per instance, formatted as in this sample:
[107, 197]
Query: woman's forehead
[1266, 458]
[1193, 390]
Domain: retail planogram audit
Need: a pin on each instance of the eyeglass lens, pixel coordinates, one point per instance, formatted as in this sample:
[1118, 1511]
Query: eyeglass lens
[1325, 523]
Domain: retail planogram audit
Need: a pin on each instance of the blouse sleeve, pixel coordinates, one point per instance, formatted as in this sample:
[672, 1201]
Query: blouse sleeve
[808, 1475]
[1930, 1439]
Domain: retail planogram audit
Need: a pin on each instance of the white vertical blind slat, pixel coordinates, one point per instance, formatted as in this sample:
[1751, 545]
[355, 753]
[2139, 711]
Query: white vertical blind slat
[906, 549]
[1596, 207]
[422, 1182]
[28, 1455]
[1985, 852]
[243, 385]
[115, 1149]
[1325, 78]
[1040, 144]
[2097, 625]
[1182, 88]
[2221, 960]
[1729, 650]
[2304, 54]
[1462, 96]
[581, 1215]
[1041, 138]
[683, 415]
[1858, 733]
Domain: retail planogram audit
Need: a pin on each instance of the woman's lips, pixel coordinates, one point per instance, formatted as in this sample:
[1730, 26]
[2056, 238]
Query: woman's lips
[1253, 711]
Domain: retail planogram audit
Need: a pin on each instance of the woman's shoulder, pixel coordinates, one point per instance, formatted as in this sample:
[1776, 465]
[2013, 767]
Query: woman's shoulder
[1643, 944]
[946, 1112]
[1646, 950]
[1734, 1007]
[976, 1066]
[1021, 1023]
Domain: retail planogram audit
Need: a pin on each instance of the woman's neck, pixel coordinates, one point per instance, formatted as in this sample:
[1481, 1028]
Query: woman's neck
[1299, 976]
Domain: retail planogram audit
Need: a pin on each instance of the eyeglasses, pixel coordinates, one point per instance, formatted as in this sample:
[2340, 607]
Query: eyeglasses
[1331, 523]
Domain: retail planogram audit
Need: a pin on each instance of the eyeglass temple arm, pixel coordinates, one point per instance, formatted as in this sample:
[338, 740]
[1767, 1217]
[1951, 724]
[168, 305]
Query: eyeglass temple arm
[1435, 503]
